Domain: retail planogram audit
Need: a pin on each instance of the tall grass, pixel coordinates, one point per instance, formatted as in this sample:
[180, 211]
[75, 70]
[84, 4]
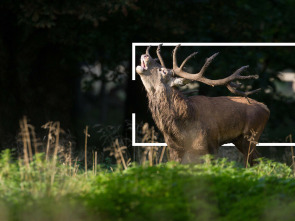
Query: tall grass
[46, 182]
[215, 190]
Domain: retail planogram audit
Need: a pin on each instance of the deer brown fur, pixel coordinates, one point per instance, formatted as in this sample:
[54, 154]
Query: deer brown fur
[198, 125]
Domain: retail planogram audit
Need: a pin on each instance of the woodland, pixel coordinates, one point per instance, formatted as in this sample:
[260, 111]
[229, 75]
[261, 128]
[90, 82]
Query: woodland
[67, 98]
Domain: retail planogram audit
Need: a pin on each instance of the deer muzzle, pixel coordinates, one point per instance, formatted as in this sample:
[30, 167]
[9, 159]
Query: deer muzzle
[145, 59]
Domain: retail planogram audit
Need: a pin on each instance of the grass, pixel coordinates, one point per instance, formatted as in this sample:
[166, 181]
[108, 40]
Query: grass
[215, 190]
[53, 185]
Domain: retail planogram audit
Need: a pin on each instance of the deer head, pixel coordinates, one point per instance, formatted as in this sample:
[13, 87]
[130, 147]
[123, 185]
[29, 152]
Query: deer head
[155, 76]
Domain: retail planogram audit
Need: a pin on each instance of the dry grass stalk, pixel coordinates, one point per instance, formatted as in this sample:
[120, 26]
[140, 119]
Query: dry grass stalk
[56, 126]
[86, 136]
[70, 158]
[28, 138]
[150, 156]
[21, 171]
[34, 138]
[292, 152]
[49, 126]
[76, 167]
[54, 132]
[251, 140]
[128, 161]
[66, 163]
[95, 162]
[168, 154]
[162, 154]
[149, 152]
[117, 151]
[25, 139]
[143, 156]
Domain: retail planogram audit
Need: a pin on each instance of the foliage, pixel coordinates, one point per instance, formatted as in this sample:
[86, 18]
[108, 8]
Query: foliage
[216, 189]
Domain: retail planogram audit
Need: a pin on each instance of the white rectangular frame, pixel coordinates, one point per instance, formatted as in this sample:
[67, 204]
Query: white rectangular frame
[200, 44]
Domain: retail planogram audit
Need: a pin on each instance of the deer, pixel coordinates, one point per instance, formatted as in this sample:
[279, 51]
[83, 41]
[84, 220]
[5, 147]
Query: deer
[194, 126]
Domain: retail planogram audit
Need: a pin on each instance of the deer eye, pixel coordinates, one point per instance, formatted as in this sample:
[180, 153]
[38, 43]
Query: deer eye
[162, 71]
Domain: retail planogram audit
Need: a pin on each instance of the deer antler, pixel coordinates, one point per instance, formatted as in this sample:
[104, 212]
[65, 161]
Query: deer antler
[148, 50]
[199, 76]
[159, 55]
[232, 87]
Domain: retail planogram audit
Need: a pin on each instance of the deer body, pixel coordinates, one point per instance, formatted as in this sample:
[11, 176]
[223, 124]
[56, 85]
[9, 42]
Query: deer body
[198, 125]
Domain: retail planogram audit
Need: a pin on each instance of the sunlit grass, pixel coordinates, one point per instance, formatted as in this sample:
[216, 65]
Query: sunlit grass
[217, 189]
[54, 186]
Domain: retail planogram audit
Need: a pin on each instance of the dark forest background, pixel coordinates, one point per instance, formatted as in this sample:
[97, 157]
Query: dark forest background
[48, 49]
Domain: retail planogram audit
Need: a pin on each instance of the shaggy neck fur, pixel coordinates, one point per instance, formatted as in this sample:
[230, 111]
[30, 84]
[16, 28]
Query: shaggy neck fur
[170, 109]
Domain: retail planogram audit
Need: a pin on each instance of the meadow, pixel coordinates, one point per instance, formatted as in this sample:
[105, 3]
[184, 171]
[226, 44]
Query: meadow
[49, 185]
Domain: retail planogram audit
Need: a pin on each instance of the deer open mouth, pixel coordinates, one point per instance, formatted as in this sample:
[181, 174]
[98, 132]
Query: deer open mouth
[144, 61]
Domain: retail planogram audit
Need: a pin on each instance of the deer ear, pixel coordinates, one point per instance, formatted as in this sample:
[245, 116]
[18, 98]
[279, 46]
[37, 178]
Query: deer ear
[139, 70]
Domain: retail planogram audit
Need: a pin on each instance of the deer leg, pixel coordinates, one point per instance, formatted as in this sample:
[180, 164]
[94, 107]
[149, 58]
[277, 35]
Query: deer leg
[251, 153]
[247, 149]
[175, 155]
[193, 156]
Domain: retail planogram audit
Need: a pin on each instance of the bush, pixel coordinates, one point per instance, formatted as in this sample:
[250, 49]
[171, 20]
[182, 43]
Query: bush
[215, 190]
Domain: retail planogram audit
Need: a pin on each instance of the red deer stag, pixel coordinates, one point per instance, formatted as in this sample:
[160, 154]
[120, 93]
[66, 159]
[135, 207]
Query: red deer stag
[198, 125]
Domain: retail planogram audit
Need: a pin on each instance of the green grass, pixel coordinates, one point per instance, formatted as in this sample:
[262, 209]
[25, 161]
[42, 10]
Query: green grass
[215, 190]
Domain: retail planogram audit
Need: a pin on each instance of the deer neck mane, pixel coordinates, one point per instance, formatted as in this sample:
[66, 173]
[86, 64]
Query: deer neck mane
[169, 107]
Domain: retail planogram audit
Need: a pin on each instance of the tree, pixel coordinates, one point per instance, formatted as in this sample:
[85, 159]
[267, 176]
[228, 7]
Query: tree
[44, 43]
